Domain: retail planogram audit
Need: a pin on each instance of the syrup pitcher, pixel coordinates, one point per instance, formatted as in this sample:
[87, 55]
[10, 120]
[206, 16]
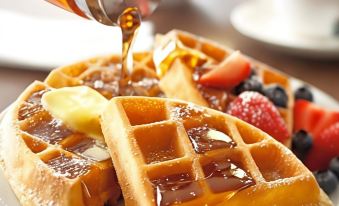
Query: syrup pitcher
[106, 11]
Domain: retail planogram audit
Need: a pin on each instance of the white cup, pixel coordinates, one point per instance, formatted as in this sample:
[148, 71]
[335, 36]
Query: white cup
[312, 18]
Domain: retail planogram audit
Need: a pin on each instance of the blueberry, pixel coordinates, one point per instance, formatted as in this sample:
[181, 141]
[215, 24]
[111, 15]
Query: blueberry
[304, 92]
[251, 84]
[327, 181]
[277, 95]
[301, 143]
[334, 166]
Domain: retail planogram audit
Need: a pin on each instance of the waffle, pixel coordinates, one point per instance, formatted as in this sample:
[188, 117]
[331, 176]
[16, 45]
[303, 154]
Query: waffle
[46, 163]
[168, 152]
[103, 73]
[179, 56]
[40, 150]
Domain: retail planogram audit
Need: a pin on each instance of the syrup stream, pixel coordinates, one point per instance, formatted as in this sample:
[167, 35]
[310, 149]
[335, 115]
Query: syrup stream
[129, 22]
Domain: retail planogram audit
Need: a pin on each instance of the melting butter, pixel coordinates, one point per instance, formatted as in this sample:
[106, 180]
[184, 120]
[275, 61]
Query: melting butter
[77, 107]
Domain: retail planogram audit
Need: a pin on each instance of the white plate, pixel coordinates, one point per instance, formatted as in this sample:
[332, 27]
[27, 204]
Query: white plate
[257, 20]
[37, 35]
[7, 197]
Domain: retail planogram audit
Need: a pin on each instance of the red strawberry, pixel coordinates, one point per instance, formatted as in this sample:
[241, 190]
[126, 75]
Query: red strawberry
[325, 147]
[259, 111]
[229, 73]
[312, 118]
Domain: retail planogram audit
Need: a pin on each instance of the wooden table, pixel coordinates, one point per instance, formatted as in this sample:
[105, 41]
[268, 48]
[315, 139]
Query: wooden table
[323, 74]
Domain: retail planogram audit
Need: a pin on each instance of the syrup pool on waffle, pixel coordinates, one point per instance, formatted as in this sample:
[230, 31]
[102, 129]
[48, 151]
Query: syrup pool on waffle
[204, 138]
[221, 176]
[170, 152]
[72, 156]
[106, 79]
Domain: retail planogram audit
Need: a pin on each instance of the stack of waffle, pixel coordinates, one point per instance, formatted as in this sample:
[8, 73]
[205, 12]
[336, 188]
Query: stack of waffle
[164, 152]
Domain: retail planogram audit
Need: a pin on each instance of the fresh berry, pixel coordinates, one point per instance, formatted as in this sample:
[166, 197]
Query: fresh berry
[301, 143]
[334, 166]
[251, 84]
[229, 73]
[277, 95]
[259, 111]
[325, 147]
[327, 181]
[305, 93]
[312, 118]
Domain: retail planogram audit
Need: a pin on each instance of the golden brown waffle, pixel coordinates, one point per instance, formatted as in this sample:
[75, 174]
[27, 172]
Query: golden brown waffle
[179, 68]
[102, 74]
[163, 157]
[47, 163]
[42, 151]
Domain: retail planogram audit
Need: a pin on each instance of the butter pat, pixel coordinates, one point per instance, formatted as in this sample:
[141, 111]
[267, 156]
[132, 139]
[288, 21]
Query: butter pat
[77, 107]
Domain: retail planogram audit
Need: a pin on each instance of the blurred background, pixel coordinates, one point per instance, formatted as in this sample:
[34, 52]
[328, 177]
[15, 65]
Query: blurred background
[299, 37]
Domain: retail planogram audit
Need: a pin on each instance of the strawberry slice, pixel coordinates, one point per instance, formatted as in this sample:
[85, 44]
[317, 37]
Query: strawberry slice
[228, 74]
[259, 111]
[325, 147]
[313, 118]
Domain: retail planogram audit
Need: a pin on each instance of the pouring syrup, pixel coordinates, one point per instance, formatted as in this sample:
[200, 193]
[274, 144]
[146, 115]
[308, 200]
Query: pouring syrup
[129, 22]
[125, 14]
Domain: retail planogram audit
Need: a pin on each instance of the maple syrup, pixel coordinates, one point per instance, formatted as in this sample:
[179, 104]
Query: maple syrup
[129, 22]
[221, 176]
[106, 82]
[48, 129]
[32, 105]
[217, 99]
[68, 166]
[225, 175]
[176, 188]
[172, 49]
[90, 149]
[205, 139]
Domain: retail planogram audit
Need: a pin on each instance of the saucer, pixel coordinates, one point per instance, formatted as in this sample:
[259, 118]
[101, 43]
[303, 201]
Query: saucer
[257, 20]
